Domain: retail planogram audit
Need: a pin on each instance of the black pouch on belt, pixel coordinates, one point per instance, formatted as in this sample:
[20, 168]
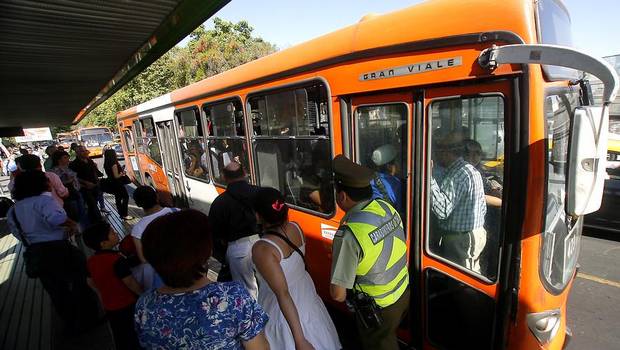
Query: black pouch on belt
[365, 308]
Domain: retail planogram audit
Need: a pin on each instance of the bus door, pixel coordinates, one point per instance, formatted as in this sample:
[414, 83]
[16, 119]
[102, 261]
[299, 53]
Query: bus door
[193, 154]
[172, 167]
[136, 133]
[380, 132]
[131, 162]
[460, 213]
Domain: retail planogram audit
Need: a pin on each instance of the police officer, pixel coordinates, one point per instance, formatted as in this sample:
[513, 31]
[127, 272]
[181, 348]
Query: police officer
[369, 258]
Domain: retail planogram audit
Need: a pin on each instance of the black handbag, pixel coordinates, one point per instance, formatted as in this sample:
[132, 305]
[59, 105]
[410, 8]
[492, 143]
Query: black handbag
[125, 180]
[224, 275]
[106, 185]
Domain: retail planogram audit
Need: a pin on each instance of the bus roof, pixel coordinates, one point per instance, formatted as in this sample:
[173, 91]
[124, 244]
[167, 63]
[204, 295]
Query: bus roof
[68, 133]
[93, 127]
[429, 20]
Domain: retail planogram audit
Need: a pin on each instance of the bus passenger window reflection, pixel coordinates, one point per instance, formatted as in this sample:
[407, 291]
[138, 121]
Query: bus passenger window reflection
[467, 182]
[150, 142]
[382, 146]
[292, 144]
[192, 145]
[226, 139]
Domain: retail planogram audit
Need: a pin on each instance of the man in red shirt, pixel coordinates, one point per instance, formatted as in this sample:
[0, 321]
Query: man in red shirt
[111, 273]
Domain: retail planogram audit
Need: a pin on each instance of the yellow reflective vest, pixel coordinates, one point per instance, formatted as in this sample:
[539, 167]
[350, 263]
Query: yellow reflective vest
[382, 272]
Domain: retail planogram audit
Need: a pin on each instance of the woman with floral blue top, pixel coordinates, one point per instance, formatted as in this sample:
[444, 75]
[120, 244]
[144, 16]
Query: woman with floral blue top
[190, 311]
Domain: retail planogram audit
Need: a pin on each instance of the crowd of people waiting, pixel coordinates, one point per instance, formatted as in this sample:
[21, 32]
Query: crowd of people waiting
[56, 200]
[154, 286]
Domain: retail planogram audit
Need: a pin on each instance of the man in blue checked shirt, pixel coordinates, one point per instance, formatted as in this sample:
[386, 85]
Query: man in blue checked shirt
[458, 203]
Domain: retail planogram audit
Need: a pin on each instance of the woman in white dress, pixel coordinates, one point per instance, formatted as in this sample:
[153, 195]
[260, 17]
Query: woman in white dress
[298, 318]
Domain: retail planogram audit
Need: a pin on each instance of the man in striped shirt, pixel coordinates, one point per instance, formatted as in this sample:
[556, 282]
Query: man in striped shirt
[458, 203]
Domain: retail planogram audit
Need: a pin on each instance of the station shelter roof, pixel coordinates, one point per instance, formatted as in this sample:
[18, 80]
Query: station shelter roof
[59, 59]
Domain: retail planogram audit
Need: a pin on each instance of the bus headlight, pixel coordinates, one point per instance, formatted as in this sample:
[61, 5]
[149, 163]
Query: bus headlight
[544, 325]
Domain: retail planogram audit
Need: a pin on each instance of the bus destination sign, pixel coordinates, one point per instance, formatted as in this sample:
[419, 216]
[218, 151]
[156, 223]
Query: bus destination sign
[414, 68]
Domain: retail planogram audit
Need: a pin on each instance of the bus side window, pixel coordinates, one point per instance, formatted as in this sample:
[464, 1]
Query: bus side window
[467, 181]
[292, 145]
[192, 145]
[128, 141]
[226, 139]
[381, 145]
[137, 127]
[149, 142]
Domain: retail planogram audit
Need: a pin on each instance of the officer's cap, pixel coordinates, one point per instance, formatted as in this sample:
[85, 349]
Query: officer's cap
[351, 174]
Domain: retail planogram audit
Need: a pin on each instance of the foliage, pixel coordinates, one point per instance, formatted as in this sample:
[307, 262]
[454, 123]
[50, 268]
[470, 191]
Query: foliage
[9, 141]
[208, 53]
[58, 129]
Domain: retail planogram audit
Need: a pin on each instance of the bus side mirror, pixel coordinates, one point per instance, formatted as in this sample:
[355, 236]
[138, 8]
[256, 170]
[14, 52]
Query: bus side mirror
[587, 160]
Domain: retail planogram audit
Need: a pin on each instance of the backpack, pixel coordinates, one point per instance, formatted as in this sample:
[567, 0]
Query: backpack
[248, 210]
[5, 204]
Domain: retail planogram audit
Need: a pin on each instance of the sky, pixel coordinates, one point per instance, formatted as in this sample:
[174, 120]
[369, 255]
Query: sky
[595, 23]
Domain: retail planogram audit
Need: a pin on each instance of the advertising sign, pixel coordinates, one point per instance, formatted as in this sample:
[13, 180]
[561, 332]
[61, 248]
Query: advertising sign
[35, 134]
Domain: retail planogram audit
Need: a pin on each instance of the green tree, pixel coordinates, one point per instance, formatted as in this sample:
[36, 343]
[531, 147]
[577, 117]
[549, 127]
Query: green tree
[209, 52]
[58, 129]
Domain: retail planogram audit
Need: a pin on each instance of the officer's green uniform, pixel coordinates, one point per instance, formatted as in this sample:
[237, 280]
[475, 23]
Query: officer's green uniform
[370, 254]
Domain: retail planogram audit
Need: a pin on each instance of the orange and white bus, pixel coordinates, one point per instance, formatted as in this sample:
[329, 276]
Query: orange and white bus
[96, 139]
[489, 69]
[65, 139]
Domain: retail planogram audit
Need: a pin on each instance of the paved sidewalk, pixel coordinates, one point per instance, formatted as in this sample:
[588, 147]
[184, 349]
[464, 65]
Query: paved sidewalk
[27, 318]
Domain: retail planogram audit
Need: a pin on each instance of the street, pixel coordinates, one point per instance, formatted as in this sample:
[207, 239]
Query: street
[594, 302]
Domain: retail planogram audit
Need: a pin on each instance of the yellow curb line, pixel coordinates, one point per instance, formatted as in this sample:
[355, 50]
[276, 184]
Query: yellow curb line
[599, 280]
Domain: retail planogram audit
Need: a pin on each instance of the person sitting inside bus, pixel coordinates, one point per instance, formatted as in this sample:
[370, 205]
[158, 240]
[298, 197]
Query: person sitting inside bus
[110, 272]
[195, 163]
[385, 184]
[190, 311]
[458, 204]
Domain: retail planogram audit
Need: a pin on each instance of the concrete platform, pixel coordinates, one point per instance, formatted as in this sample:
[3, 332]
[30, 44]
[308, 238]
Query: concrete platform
[27, 317]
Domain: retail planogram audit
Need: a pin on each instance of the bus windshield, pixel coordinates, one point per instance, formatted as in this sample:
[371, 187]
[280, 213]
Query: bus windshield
[97, 139]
